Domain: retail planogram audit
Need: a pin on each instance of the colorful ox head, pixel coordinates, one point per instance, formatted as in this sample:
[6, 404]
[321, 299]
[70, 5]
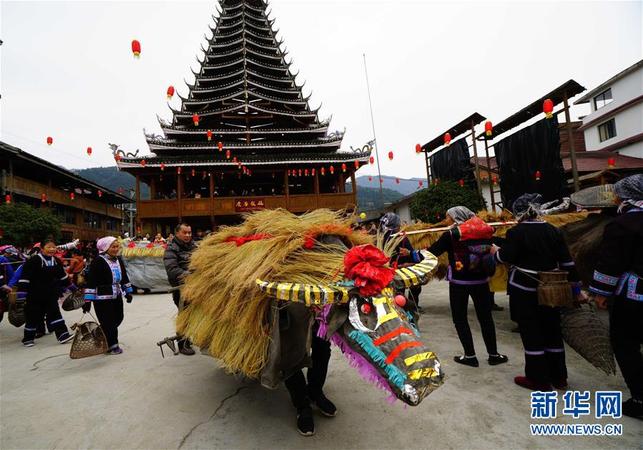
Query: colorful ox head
[373, 331]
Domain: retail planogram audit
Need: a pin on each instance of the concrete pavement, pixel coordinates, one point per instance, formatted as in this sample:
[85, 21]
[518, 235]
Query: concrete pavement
[139, 400]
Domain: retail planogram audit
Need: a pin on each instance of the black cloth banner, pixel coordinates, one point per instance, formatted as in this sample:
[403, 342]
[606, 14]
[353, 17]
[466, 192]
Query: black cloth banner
[453, 163]
[521, 155]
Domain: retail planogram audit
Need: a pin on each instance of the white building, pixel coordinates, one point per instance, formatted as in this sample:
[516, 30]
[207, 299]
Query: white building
[616, 120]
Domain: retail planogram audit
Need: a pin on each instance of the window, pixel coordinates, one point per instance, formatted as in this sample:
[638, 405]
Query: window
[111, 224]
[66, 215]
[602, 99]
[607, 130]
[92, 220]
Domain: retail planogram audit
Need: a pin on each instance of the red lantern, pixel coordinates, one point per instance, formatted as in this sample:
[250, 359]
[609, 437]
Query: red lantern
[343, 167]
[370, 178]
[100, 194]
[461, 182]
[143, 162]
[538, 175]
[43, 197]
[371, 160]
[323, 171]
[170, 92]
[390, 156]
[50, 140]
[548, 108]
[447, 138]
[356, 164]
[313, 172]
[136, 48]
[306, 172]
[397, 181]
[7, 199]
[89, 151]
[195, 119]
[220, 145]
[193, 172]
[227, 154]
[209, 134]
[420, 183]
[611, 163]
[179, 170]
[234, 159]
[203, 175]
[418, 148]
[332, 169]
[488, 128]
[117, 157]
[494, 180]
[162, 166]
[72, 196]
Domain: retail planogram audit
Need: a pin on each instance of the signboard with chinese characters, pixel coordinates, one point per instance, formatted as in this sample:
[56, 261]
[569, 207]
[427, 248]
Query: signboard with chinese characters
[249, 204]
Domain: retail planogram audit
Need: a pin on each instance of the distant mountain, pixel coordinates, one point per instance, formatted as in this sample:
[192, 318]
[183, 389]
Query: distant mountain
[407, 185]
[368, 195]
[109, 177]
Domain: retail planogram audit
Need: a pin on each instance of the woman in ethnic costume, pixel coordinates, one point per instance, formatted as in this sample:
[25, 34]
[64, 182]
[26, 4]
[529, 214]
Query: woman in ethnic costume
[106, 285]
[42, 281]
[619, 275]
[530, 247]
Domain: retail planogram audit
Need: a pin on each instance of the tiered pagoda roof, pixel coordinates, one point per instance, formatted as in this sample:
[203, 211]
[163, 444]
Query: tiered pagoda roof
[247, 98]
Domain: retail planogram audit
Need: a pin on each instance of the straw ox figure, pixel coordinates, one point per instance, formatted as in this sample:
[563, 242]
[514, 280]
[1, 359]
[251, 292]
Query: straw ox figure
[256, 290]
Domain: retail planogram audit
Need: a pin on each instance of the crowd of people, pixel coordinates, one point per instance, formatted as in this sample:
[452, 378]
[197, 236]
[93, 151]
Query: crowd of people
[530, 248]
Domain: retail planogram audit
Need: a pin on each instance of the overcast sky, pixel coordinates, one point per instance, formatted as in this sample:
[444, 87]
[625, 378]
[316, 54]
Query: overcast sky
[68, 72]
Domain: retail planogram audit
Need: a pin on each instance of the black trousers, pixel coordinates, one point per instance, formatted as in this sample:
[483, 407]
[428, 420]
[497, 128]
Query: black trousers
[459, 300]
[36, 309]
[626, 333]
[176, 298]
[301, 392]
[541, 336]
[110, 316]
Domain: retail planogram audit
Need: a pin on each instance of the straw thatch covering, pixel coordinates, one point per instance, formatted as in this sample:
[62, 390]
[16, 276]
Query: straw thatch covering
[227, 313]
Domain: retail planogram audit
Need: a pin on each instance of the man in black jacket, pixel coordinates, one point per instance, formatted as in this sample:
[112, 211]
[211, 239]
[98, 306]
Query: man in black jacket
[177, 260]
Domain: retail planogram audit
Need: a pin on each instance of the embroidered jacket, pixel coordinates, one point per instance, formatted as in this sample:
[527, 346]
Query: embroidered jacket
[106, 279]
[531, 247]
[619, 269]
[42, 277]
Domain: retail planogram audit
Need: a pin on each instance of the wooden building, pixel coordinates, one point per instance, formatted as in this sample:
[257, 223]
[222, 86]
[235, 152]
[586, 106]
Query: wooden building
[245, 137]
[86, 210]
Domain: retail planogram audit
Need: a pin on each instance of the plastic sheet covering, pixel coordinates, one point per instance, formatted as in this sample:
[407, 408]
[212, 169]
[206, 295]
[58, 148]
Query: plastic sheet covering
[595, 197]
[519, 156]
[147, 273]
[588, 335]
[453, 163]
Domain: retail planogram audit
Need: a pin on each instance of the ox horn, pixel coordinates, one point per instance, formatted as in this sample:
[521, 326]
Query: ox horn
[309, 294]
[417, 274]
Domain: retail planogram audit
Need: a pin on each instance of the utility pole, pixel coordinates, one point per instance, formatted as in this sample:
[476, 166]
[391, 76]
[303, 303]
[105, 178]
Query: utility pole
[377, 155]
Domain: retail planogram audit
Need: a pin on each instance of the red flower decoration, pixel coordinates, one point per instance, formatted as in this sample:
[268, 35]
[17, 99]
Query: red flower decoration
[240, 240]
[475, 228]
[150, 245]
[366, 266]
[309, 242]
[131, 244]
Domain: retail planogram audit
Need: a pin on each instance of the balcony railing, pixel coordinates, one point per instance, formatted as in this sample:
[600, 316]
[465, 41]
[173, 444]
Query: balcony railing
[224, 206]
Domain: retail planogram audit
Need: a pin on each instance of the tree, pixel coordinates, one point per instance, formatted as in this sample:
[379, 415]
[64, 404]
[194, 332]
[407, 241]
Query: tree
[23, 225]
[430, 205]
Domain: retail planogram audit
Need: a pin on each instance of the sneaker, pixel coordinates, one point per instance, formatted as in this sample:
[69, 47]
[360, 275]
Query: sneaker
[467, 360]
[633, 408]
[115, 351]
[305, 423]
[494, 360]
[28, 343]
[495, 307]
[325, 406]
[561, 385]
[65, 337]
[532, 385]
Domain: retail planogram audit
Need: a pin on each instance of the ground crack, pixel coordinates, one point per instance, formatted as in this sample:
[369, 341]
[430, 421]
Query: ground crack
[189, 433]
[35, 365]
